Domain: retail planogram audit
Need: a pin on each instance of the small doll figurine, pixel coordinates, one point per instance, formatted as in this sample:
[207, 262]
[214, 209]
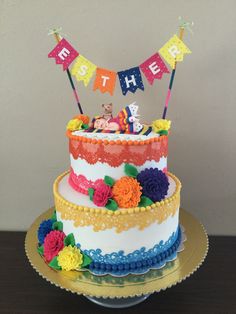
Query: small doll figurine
[107, 111]
[100, 123]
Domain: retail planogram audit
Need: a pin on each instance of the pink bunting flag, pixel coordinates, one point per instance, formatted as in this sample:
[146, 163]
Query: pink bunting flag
[63, 53]
[153, 68]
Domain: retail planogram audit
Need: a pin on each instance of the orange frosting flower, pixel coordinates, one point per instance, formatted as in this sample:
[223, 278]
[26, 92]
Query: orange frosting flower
[82, 117]
[126, 192]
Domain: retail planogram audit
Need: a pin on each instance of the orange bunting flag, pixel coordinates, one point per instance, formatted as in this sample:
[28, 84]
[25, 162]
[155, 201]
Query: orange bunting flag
[105, 80]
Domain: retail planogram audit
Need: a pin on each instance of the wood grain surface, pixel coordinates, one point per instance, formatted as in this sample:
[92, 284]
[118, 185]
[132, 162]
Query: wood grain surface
[212, 289]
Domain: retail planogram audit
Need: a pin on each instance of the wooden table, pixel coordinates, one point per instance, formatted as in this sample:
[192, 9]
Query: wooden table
[212, 289]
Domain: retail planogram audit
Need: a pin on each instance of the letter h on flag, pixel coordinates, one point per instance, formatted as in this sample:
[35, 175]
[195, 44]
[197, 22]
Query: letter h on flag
[130, 80]
[63, 53]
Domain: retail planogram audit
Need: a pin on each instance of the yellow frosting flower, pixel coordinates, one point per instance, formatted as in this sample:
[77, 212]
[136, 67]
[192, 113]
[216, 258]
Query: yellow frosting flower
[74, 125]
[161, 124]
[70, 258]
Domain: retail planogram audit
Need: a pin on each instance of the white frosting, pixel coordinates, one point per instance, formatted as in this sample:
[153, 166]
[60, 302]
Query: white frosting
[114, 137]
[77, 198]
[133, 239]
[109, 240]
[99, 169]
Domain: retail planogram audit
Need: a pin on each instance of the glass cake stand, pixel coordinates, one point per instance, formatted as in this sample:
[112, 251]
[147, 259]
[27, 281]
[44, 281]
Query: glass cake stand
[121, 292]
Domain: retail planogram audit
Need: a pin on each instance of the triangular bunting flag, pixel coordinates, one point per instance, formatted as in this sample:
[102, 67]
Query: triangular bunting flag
[105, 80]
[153, 68]
[63, 53]
[174, 50]
[130, 80]
[83, 69]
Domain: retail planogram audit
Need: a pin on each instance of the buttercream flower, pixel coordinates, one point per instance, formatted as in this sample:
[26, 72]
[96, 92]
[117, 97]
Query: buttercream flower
[101, 194]
[53, 244]
[127, 192]
[44, 228]
[83, 118]
[161, 125]
[154, 183]
[70, 258]
[74, 125]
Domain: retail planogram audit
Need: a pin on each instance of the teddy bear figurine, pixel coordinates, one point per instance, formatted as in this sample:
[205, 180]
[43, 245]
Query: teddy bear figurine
[107, 111]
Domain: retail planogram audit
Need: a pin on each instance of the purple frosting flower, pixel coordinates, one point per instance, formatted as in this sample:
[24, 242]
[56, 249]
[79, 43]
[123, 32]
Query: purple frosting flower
[44, 228]
[154, 183]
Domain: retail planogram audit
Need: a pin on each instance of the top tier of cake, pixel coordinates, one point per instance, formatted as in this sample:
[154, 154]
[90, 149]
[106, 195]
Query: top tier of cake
[104, 149]
[94, 155]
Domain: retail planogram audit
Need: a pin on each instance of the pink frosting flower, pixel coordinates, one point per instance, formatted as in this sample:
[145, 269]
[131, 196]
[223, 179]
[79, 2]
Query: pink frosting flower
[53, 244]
[101, 194]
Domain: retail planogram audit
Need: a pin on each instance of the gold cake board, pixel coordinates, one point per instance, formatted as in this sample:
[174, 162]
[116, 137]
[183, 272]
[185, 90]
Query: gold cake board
[134, 288]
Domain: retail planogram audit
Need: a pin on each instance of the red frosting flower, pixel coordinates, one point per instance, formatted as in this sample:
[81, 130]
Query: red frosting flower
[53, 244]
[101, 194]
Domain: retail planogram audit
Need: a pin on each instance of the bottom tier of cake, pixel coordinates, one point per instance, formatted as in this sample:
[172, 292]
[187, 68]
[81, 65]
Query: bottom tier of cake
[125, 241]
[137, 262]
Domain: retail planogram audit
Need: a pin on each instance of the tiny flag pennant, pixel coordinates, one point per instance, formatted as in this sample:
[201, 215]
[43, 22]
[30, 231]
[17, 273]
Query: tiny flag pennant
[153, 68]
[174, 51]
[105, 80]
[130, 80]
[63, 53]
[83, 69]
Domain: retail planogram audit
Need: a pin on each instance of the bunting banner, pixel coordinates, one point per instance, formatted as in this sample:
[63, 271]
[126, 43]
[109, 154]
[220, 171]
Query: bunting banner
[153, 68]
[83, 69]
[130, 80]
[63, 53]
[105, 81]
[174, 50]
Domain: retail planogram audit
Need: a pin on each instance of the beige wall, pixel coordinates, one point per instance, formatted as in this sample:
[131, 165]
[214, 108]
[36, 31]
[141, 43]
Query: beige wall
[37, 102]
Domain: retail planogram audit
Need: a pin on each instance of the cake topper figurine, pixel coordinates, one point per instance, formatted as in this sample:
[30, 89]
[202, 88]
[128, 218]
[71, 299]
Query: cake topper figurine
[107, 111]
[127, 120]
[172, 52]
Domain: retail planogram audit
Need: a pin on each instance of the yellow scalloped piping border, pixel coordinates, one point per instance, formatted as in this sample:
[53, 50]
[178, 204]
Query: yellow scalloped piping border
[121, 219]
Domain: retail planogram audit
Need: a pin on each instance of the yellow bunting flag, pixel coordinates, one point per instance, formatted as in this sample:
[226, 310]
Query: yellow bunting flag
[105, 80]
[83, 69]
[174, 50]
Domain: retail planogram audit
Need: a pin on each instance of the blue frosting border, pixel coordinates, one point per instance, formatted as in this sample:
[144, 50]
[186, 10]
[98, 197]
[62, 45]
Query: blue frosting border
[137, 262]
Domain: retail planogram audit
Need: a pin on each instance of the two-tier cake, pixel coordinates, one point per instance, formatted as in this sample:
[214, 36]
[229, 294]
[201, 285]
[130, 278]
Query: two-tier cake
[117, 208]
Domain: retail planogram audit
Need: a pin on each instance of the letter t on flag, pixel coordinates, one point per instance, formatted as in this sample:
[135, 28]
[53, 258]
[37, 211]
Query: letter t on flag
[105, 80]
[153, 68]
[63, 53]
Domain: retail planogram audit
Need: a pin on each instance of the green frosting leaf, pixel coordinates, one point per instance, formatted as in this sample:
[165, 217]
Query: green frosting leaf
[109, 181]
[54, 264]
[131, 171]
[163, 132]
[111, 204]
[86, 261]
[90, 192]
[40, 250]
[54, 216]
[145, 201]
[85, 126]
[57, 225]
[69, 240]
